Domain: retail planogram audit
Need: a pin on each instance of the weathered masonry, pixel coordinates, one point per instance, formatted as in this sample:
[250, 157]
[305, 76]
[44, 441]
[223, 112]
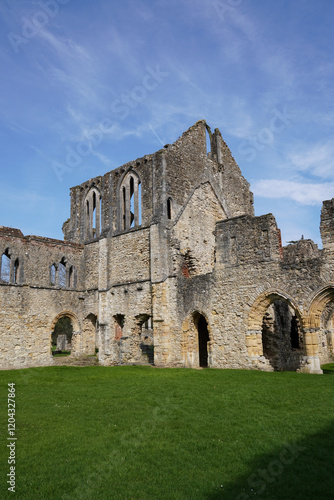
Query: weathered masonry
[164, 261]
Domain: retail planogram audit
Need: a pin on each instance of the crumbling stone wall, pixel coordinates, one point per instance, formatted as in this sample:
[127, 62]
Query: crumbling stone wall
[169, 265]
[194, 231]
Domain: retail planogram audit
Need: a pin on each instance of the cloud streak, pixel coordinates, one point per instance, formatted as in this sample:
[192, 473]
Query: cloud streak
[301, 192]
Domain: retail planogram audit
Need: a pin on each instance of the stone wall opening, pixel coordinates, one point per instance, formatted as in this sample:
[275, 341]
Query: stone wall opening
[93, 221]
[203, 339]
[195, 341]
[16, 271]
[147, 339]
[89, 336]
[326, 333]
[5, 266]
[61, 337]
[282, 338]
[130, 201]
[169, 208]
[62, 273]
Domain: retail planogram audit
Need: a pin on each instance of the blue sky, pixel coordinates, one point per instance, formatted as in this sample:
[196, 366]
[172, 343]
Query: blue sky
[87, 86]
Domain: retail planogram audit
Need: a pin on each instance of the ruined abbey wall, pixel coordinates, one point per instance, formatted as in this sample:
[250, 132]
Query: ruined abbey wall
[164, 261]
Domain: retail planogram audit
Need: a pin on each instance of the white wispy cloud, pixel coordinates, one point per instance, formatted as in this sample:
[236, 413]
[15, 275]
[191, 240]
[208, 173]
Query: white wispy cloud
[304, 193]
[317, 159]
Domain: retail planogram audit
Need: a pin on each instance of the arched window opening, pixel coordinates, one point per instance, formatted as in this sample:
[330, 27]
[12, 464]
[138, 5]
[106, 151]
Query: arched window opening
[139, 203]
[100, 221]
[16, 271]
[53, 275]
[130, 202]
[169, 208]
[124, 208]
[93, 214]
[61, 337]
[62, 273]
[5, 266]
[71, 277]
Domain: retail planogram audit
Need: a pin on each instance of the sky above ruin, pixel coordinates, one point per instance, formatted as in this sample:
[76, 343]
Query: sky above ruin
[87, 86]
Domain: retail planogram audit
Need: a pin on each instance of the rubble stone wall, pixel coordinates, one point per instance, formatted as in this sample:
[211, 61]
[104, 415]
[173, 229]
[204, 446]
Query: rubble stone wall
[164, 261]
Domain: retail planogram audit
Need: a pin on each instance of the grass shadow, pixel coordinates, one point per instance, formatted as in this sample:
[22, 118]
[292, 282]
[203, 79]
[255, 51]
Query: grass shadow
[301, 470]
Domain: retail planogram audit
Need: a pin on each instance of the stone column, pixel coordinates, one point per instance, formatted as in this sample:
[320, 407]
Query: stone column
[312, 361]
[254, 342]
[311, 342]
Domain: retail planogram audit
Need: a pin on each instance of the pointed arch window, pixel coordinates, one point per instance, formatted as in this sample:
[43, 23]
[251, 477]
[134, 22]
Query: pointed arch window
[130, 201]
[5, 266]
[93, 219]
[53, 275]
[16, 275]
[62, 273]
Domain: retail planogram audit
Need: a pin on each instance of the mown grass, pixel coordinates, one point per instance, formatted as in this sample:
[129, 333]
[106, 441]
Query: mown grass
[148, 433]
[328, 369]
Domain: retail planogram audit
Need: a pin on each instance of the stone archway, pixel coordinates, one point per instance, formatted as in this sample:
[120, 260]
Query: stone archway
[282, 340]
[319, 333]
[275, 334]
[61, 337]
[65, 334]
[195, 344]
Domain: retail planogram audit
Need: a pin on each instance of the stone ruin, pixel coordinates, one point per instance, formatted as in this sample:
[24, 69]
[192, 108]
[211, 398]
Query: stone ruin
[164, 262]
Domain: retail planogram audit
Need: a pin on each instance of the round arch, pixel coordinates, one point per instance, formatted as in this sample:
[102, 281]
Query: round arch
[261, 304]
[69, 314]
[275, 331]
[64, 334]
[318, 304]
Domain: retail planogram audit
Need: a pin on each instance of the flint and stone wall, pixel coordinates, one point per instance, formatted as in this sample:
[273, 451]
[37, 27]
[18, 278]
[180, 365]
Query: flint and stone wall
[165, 253]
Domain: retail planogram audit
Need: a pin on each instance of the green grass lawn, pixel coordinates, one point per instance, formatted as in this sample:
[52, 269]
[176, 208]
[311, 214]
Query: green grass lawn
[149, 433]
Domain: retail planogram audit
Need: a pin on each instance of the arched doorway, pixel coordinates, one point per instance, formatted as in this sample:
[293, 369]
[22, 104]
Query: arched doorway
[320, 325]
[61, 337]
[276, 331]
[282, 337]
[203, 339]
[65, 334]
[195, 347]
